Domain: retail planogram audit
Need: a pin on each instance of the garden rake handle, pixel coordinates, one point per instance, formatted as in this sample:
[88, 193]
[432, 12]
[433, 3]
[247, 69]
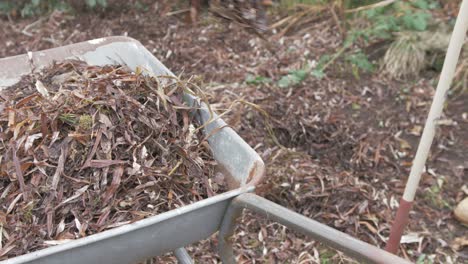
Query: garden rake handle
[448, 70]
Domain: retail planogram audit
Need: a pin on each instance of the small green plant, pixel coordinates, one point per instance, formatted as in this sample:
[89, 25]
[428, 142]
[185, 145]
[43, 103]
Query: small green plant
[28, 212]
[359, 61]
[425, 4]
[326, 256]
[29, 8]
[96, 3]
[85, 122]
[377, 25]
[6, 7]
[318, 72]
[141, 6]
[37, 7]
[294, 77]
[424, 259]
[355, 106]
[399, 16]
[434, 196]
[70, 119]
[257, 80]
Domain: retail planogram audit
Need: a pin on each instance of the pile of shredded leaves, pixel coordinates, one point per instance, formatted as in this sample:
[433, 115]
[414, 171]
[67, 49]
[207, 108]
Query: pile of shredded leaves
[85, 148]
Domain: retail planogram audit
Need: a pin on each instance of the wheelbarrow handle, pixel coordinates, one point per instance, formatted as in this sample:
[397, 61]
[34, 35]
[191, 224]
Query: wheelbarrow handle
[329, 236]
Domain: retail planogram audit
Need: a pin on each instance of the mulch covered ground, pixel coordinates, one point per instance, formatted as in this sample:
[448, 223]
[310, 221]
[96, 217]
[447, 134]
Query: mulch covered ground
[338, 149]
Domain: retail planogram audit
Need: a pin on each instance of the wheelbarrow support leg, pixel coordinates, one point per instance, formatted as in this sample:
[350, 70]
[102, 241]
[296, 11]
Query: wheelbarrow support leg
[183, 256]
[226, 233]
[331, 237]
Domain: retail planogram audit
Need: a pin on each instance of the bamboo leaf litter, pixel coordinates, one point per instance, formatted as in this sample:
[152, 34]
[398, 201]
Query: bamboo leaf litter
[87, 148]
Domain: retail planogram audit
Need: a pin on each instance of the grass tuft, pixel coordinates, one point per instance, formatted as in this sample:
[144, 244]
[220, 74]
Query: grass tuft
[405, 56]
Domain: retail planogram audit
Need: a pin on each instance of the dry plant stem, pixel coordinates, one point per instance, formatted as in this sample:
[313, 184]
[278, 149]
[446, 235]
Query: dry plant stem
[19, 173]
[337, 20]
[336, 56]
[448, 70]
[367, 7]
[178, 12]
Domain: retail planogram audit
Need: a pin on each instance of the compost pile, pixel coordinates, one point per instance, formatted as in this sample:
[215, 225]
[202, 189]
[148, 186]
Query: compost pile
[86, 148]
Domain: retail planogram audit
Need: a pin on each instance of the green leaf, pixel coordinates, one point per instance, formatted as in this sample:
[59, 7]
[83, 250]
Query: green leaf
[421, 258]
[91, 3]
[355, 72]
[284, 82]
[355, 106]
[35, 2]
[62, 6]
[28, 10]
[434, 5]
[294, 77]
[141, 6]
[318, 73]
[416, 21]
[371, 13]
[5, 7]
[374, 12]
[256, 80]
[102, 3]
[361, 61]
[300, 75]
[423, 4]
[323, 60]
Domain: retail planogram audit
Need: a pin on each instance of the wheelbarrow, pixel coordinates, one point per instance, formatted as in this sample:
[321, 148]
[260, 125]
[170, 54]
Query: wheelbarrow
[173, 230]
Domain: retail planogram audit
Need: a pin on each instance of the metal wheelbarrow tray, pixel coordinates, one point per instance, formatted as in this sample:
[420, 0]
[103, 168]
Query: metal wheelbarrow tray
[164, 232]
[172, 230]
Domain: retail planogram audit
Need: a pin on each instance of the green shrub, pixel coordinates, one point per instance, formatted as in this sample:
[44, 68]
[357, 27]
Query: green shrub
[29, 8]
[382, 22]
[379, 24]
[37, 7]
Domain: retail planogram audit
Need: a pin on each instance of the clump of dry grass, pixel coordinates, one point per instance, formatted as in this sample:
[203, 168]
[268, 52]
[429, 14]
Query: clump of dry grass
[406, 56]
[461, 74]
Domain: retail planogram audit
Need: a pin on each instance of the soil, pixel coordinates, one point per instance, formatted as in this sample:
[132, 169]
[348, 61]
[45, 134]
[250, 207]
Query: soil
[337, 149]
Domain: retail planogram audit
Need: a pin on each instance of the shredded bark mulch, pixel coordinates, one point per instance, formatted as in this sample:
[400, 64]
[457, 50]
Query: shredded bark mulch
[87, 148]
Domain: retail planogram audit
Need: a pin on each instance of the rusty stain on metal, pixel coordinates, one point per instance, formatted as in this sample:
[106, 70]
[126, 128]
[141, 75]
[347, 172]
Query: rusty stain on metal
[256, 173]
